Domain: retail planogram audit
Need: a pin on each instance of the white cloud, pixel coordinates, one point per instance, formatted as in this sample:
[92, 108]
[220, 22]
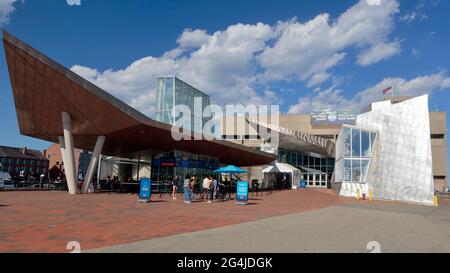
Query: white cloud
[418, 14]
[235, 65]
[416, 53]
[6, 8]
[193, 38]
[318, 78]
[378, 52]
[412, 16]
[86, 72]
[301, 46]
[223, 67]
[74, 2]
[334, 98]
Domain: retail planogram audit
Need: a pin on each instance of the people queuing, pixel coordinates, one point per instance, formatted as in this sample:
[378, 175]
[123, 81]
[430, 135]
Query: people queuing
[187, 189]
[209, 188]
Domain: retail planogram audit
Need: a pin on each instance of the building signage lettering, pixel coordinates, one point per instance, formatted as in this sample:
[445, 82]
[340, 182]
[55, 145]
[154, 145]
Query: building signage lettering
[332, 117]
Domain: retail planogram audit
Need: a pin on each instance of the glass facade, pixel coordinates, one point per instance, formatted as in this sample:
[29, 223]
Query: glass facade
[171, 91]
[354, 151]
[167, 165]
[83, 163]
[325, 165]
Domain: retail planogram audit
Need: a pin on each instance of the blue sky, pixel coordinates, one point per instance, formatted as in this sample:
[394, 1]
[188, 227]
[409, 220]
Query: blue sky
[303, 55]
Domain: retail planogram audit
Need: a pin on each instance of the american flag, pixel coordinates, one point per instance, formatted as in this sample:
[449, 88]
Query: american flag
[387, 90]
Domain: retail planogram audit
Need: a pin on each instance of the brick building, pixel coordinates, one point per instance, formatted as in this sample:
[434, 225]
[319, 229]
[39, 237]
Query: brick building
[23, 161]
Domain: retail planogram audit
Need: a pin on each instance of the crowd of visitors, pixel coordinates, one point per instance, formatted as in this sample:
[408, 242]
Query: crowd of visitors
[211, 188]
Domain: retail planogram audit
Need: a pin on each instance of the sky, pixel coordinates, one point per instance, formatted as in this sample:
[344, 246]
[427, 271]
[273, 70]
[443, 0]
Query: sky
[302, 55]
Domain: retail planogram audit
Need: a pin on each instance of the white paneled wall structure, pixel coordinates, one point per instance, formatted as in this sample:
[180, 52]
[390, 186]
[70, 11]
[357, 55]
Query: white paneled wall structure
[401, 164]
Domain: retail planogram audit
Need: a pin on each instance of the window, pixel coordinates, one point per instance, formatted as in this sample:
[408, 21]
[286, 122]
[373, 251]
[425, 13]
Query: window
[365, 144]
[356, 170]
[169, 94]
[310, 161]
[356, 142]
[353, 160]
[283, 156]
[437, 136]
[347, 170]
[346, 141]
[364, 168]
[439, 177]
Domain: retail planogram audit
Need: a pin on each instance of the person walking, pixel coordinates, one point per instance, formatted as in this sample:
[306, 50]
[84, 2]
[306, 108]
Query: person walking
[192, 186]
[187, 189]
[211, 188]
[216, 187]
[205, 187]
[174, 187]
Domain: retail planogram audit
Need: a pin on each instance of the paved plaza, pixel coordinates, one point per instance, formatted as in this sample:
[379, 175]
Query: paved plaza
[310, 220]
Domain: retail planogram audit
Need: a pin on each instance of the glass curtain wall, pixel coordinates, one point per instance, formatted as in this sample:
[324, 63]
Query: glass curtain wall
[171, 91]
[354, 151]
[177, 163]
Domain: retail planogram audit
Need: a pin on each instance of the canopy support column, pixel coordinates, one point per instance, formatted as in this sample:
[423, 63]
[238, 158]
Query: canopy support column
[67, 152]
[93, 163]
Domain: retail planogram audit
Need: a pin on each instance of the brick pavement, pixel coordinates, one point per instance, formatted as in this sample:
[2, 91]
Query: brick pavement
[45, 221]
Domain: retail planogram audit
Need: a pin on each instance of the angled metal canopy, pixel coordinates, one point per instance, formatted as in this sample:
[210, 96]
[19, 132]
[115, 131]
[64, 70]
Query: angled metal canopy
[43, 89]
[297, 141]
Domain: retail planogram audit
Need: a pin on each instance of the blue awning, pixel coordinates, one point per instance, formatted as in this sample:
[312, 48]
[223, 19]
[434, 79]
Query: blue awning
[230, 169]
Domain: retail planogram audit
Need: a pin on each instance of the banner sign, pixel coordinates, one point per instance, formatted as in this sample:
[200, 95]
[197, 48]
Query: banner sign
[185, 163]
[242, 192]
[332, 117]
[145, 192]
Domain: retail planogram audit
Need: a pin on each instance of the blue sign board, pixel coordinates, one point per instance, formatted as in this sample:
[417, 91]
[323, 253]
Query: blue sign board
[242, 192]
[303, 184]
[145, 192]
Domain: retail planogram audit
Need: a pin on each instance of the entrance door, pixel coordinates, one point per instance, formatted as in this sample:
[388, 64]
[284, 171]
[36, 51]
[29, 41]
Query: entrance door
[317, 180]
[323, 180]
[310, 180]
